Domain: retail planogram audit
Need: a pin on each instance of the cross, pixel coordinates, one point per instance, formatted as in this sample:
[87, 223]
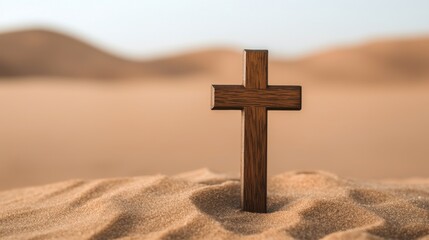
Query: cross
[254, 98]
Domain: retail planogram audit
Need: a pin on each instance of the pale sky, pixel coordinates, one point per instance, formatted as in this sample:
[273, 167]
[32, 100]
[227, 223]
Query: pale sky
[139, 28]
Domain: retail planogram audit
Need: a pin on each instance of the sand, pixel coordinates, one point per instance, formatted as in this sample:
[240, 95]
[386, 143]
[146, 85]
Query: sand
[205, 205]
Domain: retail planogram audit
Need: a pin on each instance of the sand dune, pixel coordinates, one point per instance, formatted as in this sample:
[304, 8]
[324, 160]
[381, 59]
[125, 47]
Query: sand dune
[383, 62]
[41, 52]
[202, 205]
[46, 53]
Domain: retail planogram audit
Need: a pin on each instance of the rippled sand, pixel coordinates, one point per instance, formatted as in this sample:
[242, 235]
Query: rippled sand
[201, 205]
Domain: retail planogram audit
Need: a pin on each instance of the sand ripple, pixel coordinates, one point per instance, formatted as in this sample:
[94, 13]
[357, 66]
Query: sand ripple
[204, 205]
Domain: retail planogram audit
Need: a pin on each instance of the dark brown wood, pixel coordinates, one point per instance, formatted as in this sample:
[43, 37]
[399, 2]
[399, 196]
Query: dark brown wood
[254, 98]
[273, 97]
[254, 160]
[256, 69]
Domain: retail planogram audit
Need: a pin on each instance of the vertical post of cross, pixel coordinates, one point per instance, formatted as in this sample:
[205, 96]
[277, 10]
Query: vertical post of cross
[254, 136]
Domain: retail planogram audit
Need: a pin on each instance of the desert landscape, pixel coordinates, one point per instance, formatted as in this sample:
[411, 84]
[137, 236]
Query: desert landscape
[98, 146]
[83, 113]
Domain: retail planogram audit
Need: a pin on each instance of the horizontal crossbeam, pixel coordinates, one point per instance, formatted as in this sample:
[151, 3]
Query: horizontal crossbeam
[232, 97]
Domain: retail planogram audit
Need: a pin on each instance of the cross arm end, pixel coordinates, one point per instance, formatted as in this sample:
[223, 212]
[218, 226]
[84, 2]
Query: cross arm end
[222, 97]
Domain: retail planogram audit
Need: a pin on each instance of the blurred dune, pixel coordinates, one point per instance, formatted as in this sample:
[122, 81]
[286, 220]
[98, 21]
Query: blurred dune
[364, 114]
[378, 61]
[47, 53]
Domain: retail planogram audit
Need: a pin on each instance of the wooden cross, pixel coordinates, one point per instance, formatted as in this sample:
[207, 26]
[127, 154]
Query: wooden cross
[254, 98]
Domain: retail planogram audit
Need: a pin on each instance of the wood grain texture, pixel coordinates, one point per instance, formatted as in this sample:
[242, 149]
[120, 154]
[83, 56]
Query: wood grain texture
[254, 98]
[254, 160]
[236, 97]
[255, 69]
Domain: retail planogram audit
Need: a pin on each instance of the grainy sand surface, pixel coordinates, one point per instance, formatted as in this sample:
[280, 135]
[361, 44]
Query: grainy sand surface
[204, 205]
